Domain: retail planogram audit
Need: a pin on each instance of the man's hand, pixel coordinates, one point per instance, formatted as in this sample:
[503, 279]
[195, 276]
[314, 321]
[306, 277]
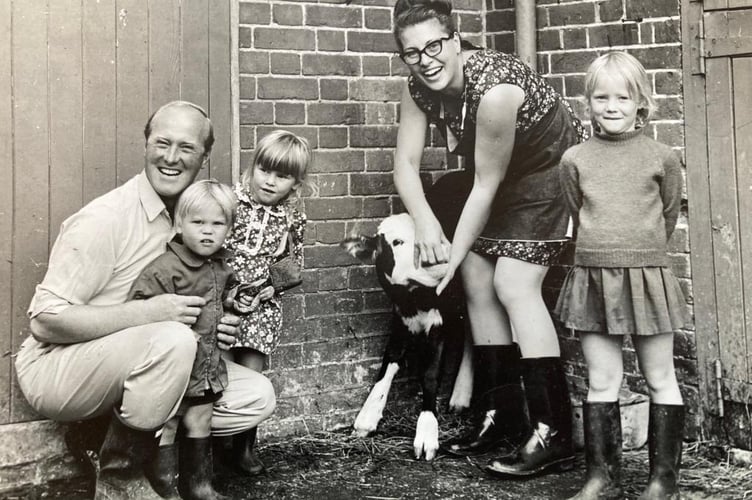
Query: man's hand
[170, 307]
[227, 330]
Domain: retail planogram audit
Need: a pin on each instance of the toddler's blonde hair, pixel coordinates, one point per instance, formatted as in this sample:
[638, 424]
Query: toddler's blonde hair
[201, 194]
[632, 71]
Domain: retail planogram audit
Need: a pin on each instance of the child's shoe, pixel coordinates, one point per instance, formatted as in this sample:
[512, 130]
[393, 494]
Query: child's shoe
[243, 456]
[196, 470]
[665, 432]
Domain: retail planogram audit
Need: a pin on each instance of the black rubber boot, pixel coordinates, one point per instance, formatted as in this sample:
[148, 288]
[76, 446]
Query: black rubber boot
[197, 470]
[665, 432]
[243, 456]
[84, 440]
[501, 403]
[602, 426]
[549, 446]
[162, 471]
[121, 463]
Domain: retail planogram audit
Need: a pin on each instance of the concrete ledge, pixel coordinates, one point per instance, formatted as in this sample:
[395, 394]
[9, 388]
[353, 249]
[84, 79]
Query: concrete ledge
[34, 453]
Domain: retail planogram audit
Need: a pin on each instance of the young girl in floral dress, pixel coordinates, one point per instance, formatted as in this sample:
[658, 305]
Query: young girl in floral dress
[268, 227]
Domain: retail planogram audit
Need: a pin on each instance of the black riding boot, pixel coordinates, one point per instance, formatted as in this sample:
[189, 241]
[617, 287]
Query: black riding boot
[243, 456]
[121, 463]
[500, 402]
[602, 426]
[549, 446]
[196, 470]
[162, 471]
[665, 432]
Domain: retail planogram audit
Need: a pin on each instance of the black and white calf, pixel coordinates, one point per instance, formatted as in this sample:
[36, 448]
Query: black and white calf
[420, 315]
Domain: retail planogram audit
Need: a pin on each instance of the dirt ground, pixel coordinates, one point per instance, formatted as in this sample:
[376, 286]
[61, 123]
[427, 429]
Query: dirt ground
[338, 466]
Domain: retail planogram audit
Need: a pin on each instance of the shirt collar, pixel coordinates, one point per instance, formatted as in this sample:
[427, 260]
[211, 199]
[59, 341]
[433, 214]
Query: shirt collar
[150, 200]
[278, 210]
[189, 258]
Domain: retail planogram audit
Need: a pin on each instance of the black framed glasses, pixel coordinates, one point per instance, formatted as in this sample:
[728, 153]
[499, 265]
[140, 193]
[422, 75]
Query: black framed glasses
[432, 49]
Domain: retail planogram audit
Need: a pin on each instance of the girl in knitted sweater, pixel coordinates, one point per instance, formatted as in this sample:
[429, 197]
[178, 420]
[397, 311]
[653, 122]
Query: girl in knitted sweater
[624, 192]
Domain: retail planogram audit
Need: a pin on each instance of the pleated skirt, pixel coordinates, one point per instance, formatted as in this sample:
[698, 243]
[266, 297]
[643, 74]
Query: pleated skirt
[622, 301]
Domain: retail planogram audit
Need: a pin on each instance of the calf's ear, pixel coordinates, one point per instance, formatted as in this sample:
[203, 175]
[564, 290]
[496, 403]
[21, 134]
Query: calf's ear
[361, 247]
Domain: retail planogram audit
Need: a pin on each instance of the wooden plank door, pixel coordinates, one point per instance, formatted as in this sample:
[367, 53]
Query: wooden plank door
[81, 80]
[718, 96]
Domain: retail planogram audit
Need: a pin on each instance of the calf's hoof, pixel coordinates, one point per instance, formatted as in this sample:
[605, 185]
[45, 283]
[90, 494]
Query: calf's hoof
[426, 442]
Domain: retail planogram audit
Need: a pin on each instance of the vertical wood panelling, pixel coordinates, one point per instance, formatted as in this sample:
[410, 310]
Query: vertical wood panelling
[30, 164]
[724, 216]
[66, 138]
[99, 119]
[219, 88]
[194, 74]
[742, 76]
[6, 208]
[164, 52]
[132, 86]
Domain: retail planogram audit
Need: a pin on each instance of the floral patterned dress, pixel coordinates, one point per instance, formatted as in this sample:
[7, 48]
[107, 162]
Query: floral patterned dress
[259, 238]
[529, 218]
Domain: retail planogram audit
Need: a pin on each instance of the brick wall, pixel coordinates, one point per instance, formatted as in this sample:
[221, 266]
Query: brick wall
[328, 72]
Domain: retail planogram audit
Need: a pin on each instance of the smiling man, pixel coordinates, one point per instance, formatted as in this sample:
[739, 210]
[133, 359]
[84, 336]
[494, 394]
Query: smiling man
[92, 352]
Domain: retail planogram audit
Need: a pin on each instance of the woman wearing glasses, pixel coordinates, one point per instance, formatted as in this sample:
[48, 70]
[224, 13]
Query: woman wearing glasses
[511, 127]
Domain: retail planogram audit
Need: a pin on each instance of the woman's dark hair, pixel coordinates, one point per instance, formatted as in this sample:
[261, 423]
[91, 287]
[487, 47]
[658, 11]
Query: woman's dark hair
[410, 12]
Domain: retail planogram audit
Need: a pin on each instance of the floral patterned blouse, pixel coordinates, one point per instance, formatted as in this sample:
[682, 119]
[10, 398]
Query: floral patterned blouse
[259, 238]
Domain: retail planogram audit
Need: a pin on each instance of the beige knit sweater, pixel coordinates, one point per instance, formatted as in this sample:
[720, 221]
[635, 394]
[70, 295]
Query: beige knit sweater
[624, 193]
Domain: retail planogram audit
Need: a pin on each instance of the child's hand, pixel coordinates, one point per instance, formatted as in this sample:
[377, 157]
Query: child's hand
[265, 294]
[245, 304]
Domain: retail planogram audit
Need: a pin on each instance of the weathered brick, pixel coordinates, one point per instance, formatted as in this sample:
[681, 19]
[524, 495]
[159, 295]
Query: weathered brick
[549, 40]
[500, 21]
[247, 137]
[671, 134]
[611, 10]
[643, 9]
[287, 88]
[574, 85]
[378, 19]
[574, 38]
[323, 113]
[376, 65]
[373, 136]
[379, 160]
[669, 108]
[290, 15]
[377, 206]
[332, 41]
[380, 113]
[362, 227]
[285, 63]
[339, 161]
[330, 233]
[287, 113]
[333, 279]
[334, 208]
[370, 41]
[363, 277]
[376, 301]
[569, 14]
[331, 64]
[333, 137]
[571, 62]
[341, 351]
[371, 184]
[614, 34]
[667, 31]
[397, 67]
[470, 23]
[245, 37]
[557, 83]
[338, 302]
[256, 112]
[254, 13]
[284, 38]
[333, 17]
[376, 89]
[247, 87]
[334, 89]
[467, 4]
[668, 82]
[332, 185]
[253, 62]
